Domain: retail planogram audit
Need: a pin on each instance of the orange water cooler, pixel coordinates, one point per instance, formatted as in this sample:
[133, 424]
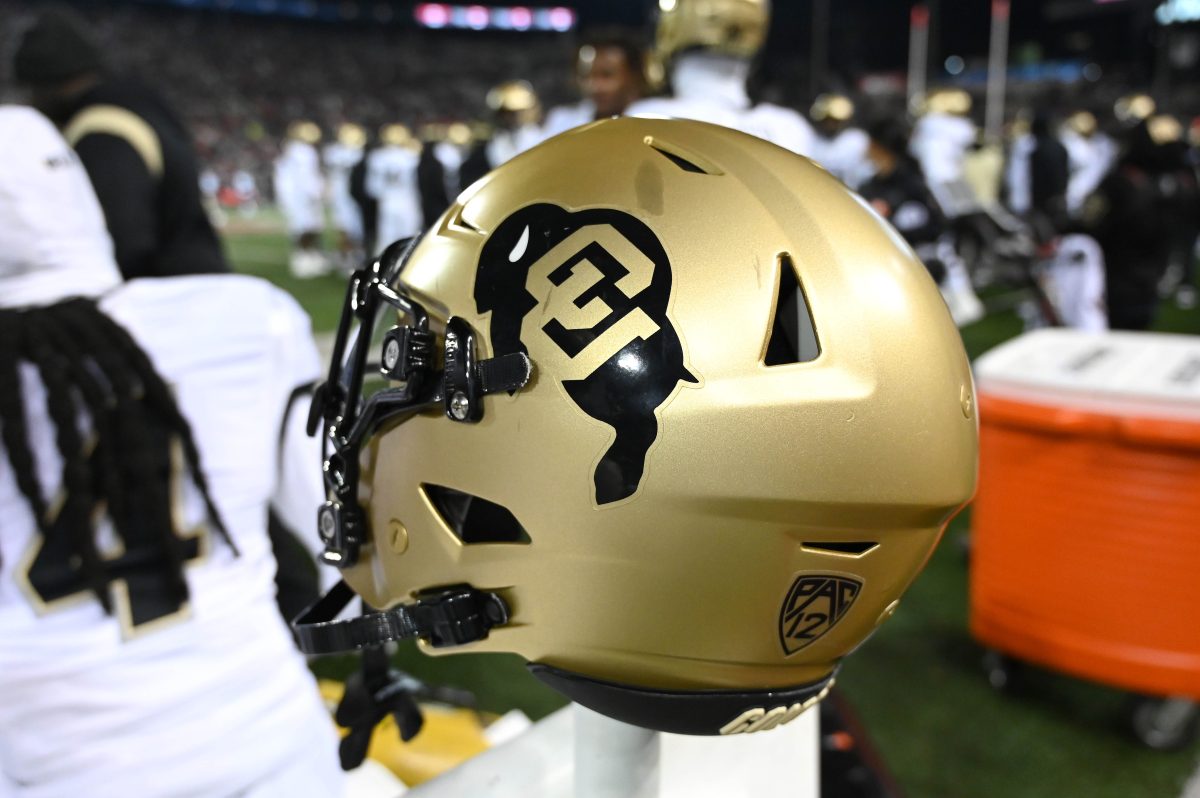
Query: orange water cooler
[1085, 548]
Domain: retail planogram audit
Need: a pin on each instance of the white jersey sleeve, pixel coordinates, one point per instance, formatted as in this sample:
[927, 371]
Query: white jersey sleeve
[215, 699]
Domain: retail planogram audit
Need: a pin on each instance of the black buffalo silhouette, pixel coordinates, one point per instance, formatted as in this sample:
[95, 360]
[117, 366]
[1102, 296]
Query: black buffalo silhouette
[629, 386]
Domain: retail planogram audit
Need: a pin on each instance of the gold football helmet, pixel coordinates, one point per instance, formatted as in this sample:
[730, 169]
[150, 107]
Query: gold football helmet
[395, 134]
[351, 135]
[605, 445]
[732, 27]
[1082, 123]
[515, 97]
[1164, 129]
[1134, 108]
[303, 130]
[956, 102]
[833, 107]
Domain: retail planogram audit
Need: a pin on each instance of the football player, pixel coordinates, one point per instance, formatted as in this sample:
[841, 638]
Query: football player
[706, 48]
[516, 115]
[839, 146]
[340, 158]
[611, 69]
[392, 180]
[141, 649]
[299, 190]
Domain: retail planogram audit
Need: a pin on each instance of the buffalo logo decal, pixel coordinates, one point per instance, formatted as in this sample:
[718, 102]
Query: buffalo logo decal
[812, 607]
[585, 296]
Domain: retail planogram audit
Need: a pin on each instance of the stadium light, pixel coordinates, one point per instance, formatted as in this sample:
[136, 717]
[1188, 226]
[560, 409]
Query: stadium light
[433, 15]
[521, 18]
[1172, 12]
[562, 19]
[559, 19]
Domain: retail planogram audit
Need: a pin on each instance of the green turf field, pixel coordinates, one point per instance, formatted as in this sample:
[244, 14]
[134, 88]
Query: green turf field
[917, 684]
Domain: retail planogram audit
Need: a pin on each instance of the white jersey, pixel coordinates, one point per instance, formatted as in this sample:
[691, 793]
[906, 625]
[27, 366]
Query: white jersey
[565, 117]
[392, 180]
[1074, 282]
[504, 145]
[1090, 160]
[1018, 174]
[215, 700]
[845, 155]
[299, 188]
[451, 157]
[712, 88]
[340, 160]
[940, 143]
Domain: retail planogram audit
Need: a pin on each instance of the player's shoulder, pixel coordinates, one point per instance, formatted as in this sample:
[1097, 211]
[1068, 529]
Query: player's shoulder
[22, 124]
[231, 312]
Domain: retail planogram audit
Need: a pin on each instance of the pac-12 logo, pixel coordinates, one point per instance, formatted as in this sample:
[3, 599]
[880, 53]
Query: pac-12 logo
[813, 605]
[585, 296]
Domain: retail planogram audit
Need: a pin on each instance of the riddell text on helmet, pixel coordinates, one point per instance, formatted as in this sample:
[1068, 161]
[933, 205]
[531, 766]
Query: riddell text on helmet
[761, 719]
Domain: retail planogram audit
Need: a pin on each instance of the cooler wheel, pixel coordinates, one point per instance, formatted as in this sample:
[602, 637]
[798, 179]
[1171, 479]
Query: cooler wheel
[1165, 724]
[999, 668]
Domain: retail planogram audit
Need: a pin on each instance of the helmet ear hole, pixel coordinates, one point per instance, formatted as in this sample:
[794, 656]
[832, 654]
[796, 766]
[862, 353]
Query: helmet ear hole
[473, 519]
[792, 335]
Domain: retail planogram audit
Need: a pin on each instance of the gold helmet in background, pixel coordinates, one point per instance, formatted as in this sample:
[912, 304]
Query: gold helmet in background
[1164, 129]
[832, 107]
[955, 102]
[518, 98]
[699, 501]
[1134, 108]
[351, 135]
[459, 134]
[733, 27]
[398, 135]
[304, 130]
[1082, 123]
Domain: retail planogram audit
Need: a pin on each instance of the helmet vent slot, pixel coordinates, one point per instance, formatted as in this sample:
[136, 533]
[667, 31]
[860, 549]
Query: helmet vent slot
[686, 166]
[855, 548]
[791, 335]
[685, 160]
[473, 519]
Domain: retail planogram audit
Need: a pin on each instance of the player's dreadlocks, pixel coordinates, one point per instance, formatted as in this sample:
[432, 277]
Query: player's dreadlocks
[119, 461]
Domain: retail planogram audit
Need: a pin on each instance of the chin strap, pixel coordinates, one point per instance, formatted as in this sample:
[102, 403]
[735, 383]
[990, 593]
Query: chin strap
[449, 617]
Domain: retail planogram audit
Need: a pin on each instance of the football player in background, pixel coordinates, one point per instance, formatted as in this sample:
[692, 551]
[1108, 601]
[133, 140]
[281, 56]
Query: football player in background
[611, 70]
[1091, 153]
[897, 191]
[340, 157]
[391, 179]
[299, 190]
[449, 144]
[839, 146]
[516, 126]
[137, 152]
[941, 138]
[141, 650]
[706, 48]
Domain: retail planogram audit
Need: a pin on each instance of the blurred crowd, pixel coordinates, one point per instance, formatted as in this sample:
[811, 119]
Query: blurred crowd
[374, 130]
[238, 82]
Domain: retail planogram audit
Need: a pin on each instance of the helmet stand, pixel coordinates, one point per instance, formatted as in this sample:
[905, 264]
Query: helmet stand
[578, 753]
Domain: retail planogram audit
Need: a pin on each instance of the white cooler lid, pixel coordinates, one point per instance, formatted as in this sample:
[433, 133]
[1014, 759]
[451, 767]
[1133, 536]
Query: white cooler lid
[1123, 373]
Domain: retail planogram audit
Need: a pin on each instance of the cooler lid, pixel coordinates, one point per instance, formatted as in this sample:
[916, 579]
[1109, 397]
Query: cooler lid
[1124, 373]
